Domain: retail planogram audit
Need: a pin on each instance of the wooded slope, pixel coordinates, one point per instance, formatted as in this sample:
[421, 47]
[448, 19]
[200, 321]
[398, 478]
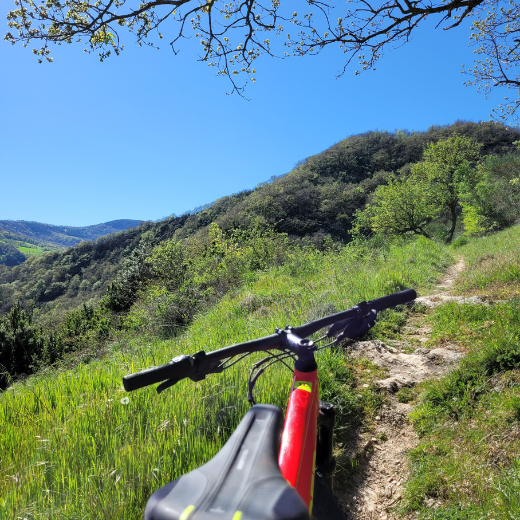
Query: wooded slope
[316, 200]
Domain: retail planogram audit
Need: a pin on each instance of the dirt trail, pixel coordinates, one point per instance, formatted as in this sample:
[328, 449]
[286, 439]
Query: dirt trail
[377, 486]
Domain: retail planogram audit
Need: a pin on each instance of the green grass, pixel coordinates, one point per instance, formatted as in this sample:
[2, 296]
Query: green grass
[30, 250]
[71, 450]
[493, 264]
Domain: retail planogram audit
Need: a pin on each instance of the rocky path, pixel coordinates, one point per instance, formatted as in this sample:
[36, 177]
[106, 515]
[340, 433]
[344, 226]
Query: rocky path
[383, 467]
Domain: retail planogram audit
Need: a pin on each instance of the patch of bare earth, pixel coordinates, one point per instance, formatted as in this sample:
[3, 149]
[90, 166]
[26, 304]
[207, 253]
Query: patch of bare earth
[381, 452]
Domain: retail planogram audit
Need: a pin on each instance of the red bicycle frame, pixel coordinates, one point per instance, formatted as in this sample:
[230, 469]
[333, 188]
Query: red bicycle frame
[297, 458]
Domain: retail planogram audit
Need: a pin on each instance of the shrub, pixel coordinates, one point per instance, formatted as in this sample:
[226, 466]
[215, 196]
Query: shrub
[23, 346]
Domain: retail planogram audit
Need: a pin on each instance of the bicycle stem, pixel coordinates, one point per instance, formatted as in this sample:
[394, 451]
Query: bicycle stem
[303, 348]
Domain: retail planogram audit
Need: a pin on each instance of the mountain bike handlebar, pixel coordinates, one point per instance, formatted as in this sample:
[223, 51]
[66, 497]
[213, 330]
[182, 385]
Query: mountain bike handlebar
[197, 366]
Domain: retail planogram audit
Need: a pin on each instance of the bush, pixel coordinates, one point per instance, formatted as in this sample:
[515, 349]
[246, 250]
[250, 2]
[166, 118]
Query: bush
[459, 242]
[185, 277]
[23, 346]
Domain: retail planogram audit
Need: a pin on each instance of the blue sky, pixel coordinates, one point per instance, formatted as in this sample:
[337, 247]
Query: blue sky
[148, 133]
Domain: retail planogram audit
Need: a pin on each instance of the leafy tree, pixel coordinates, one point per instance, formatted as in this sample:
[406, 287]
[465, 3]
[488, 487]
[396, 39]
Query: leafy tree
[169, 264]
[399, 207]
[17, 344]
[234, 34]
[447, 168]
[495, 39]
[123, 290]
[23, 345]
[436, 183]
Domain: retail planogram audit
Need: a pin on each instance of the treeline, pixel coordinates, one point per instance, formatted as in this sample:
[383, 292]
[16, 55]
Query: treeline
[315, 203]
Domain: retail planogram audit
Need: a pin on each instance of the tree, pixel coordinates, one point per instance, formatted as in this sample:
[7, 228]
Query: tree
[438, 182]
[495, 38]
[10, 256]
[233, 35]
[447, 169]
[20, 343]
[399, 207]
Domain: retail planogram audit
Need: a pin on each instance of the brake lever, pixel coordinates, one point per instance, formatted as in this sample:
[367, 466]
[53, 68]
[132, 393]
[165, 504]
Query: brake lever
[359, 326]
[166, 384]
[204, 367]
[336, 327]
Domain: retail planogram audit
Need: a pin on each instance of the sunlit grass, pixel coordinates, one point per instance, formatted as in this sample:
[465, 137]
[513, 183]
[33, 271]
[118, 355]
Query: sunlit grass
[31, 250]
[493, 264]
[71, 449]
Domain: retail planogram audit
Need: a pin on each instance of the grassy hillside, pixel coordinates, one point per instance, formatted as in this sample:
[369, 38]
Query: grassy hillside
[72, 448]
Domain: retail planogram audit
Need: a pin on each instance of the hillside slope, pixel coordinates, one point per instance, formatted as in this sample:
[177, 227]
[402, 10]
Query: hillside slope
[316, 200]
[321, 195]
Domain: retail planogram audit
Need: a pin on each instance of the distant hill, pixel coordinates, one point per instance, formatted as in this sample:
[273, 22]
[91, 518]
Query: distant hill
[34, 238]
[314, 202]
[63, 236]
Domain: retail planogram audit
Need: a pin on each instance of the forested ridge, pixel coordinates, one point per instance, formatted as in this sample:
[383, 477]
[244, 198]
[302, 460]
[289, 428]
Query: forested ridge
[315, 202]
[62, 236]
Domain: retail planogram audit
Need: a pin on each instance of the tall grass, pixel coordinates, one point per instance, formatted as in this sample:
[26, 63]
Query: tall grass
[70, 447]
[493, 263]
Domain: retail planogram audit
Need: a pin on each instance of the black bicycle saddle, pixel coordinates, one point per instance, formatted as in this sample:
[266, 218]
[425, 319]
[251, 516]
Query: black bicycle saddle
[242, 482]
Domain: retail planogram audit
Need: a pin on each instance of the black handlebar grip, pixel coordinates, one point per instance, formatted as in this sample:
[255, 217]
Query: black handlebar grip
[392, 300]
[178, 368]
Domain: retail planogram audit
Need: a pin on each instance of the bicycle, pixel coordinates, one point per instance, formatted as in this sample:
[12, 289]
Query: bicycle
[262, 473]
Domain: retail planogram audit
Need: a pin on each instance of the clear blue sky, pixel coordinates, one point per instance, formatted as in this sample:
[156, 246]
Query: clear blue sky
[148, 134]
